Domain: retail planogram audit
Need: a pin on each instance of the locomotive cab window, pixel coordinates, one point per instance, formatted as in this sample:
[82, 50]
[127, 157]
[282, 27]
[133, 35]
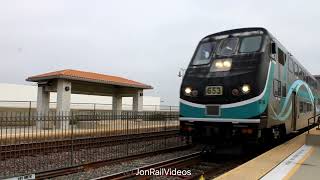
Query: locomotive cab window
[296, 69]
[302, 75]
[204, 52]
[290, 65]
[299, 72]
[250, 44]
[273, 49]
[228, 47]
[281, 57]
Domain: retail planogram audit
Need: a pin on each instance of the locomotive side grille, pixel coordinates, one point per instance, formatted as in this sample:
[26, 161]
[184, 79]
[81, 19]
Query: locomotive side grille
[213, 110]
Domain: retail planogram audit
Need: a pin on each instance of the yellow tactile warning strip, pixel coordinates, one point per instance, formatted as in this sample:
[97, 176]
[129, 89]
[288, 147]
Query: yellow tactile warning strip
[261, 165]
[287, 167]
[297, 166]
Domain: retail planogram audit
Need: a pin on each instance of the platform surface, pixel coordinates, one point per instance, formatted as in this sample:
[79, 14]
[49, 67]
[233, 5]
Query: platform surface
[290, 160]
[302, 164]
[308, 169]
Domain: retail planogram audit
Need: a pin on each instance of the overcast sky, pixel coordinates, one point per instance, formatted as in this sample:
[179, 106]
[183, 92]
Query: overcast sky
[143, 40]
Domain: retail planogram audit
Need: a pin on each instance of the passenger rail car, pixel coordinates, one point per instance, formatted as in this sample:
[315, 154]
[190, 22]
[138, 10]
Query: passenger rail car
[243, 83]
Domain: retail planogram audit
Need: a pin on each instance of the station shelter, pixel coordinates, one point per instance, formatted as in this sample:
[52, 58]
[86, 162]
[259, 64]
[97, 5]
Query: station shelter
[67, 82]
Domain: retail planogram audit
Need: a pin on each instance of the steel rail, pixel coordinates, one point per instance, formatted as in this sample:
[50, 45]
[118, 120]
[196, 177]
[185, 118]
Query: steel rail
[181, 161]
[18, 150]
[84, 167]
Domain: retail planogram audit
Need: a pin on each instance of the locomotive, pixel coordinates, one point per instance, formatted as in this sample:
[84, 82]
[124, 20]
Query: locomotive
[243, 84]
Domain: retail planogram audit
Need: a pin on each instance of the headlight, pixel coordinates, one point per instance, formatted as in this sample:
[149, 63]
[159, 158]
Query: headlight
[187, 91]
[245, 88]
[221, 65]
[227, 64]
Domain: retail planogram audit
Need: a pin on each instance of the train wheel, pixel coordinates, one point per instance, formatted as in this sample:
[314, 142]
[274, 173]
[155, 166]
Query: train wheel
[267, 138]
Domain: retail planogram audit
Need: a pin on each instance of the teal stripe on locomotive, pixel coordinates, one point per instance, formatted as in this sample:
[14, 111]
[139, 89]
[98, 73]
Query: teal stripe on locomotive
[191, 111]
[240, 110]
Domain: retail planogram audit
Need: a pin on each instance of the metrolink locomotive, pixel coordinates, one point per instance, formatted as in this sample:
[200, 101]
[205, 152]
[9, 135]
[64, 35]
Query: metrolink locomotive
[242, 84]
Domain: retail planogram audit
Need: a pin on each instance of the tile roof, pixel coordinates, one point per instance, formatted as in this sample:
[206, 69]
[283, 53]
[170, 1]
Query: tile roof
[88, 77]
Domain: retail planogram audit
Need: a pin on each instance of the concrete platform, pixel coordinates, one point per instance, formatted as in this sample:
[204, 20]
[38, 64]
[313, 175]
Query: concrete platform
[291, 160]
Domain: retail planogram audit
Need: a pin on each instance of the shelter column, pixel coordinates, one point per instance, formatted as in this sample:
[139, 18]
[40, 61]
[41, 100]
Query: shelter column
[63, 102]
[43, 99]
[116, 106]
[138, 101]
[116, 102]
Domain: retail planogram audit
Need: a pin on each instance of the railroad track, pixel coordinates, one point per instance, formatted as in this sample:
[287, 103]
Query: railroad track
[178, 162]
[93, 165]
[210, 170]
[29, 149]
[194, 163]
[191, 162]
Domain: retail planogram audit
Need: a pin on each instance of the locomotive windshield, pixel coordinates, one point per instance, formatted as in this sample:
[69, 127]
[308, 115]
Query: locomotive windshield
[226, 47]
[204, 53]
[250, 44]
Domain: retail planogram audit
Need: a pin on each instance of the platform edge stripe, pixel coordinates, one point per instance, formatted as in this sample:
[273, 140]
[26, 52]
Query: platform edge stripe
[285, 167]
[296, 167]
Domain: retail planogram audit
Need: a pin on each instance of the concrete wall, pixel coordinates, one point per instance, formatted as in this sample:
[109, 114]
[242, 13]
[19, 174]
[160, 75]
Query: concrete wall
[15, 92]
